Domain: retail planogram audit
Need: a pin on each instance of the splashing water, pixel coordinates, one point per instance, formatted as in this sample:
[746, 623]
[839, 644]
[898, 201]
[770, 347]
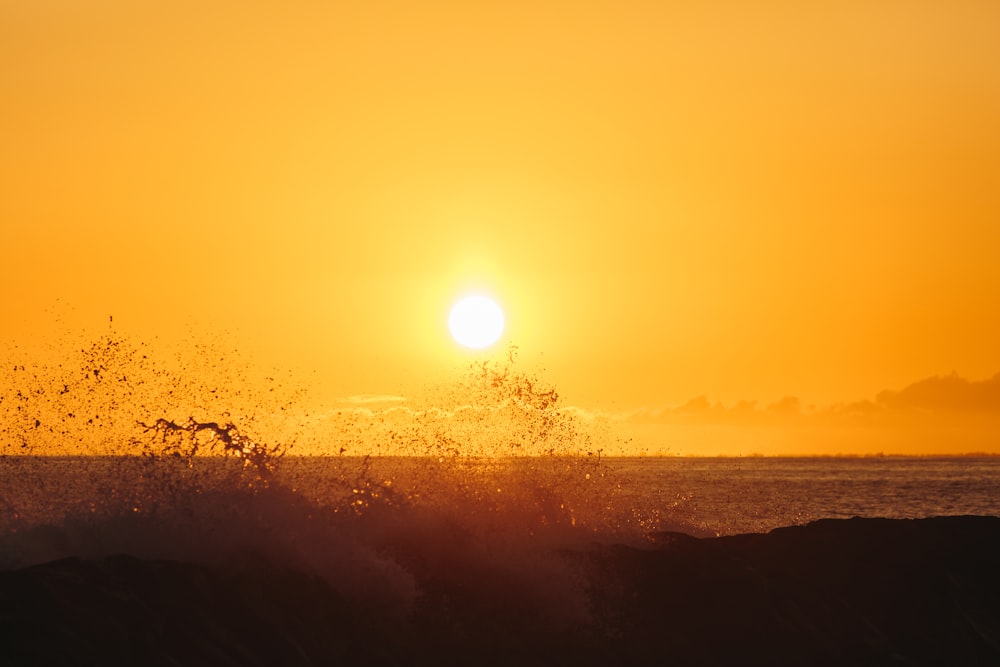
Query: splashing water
[478, 521]
[479, 482]
[185, 440]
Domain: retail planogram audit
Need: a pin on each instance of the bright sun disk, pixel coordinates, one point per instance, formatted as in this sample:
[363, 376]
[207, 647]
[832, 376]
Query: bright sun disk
[476, 321]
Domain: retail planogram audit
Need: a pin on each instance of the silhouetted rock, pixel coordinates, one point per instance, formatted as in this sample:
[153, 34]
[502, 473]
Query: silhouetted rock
[834, 592]
[859, 592]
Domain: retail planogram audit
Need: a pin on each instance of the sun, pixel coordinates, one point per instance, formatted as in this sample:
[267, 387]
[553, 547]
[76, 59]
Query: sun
[476, 322]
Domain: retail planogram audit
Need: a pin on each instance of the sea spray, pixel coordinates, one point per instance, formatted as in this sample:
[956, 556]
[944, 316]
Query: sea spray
[204, 516]
[477, 485]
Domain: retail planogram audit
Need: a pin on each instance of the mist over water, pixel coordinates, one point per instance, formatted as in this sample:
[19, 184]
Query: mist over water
[110, 450]
[479, 518]
[104, 431]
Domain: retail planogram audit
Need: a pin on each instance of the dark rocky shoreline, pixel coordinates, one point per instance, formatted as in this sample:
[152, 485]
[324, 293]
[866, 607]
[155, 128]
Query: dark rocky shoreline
[833, 592]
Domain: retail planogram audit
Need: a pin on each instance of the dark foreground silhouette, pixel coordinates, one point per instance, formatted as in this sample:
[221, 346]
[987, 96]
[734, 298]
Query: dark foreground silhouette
[851, 592]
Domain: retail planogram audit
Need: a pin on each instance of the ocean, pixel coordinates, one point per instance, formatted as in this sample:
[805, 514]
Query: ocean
[628, 497]
[481, 527]
[725, 496]
[522, 560]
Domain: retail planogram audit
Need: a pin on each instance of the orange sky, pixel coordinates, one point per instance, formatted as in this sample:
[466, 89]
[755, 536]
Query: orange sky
[723, 199]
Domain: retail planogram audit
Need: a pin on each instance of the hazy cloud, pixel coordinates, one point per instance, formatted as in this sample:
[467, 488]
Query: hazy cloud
[789, 406]
[949, 393]
[935, 415]
[368, 399]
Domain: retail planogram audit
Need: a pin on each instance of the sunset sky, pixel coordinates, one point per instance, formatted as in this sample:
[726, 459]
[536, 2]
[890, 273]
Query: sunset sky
[742, 201]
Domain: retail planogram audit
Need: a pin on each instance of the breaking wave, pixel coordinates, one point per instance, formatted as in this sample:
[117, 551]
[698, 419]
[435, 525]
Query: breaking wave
[111, 451]
[185, 513]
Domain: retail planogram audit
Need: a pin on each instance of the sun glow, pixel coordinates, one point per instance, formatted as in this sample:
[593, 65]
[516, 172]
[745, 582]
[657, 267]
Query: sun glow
[476, 322]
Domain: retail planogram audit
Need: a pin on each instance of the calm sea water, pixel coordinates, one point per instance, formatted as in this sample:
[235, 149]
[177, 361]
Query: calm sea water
[733, 495]
[701, 496]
